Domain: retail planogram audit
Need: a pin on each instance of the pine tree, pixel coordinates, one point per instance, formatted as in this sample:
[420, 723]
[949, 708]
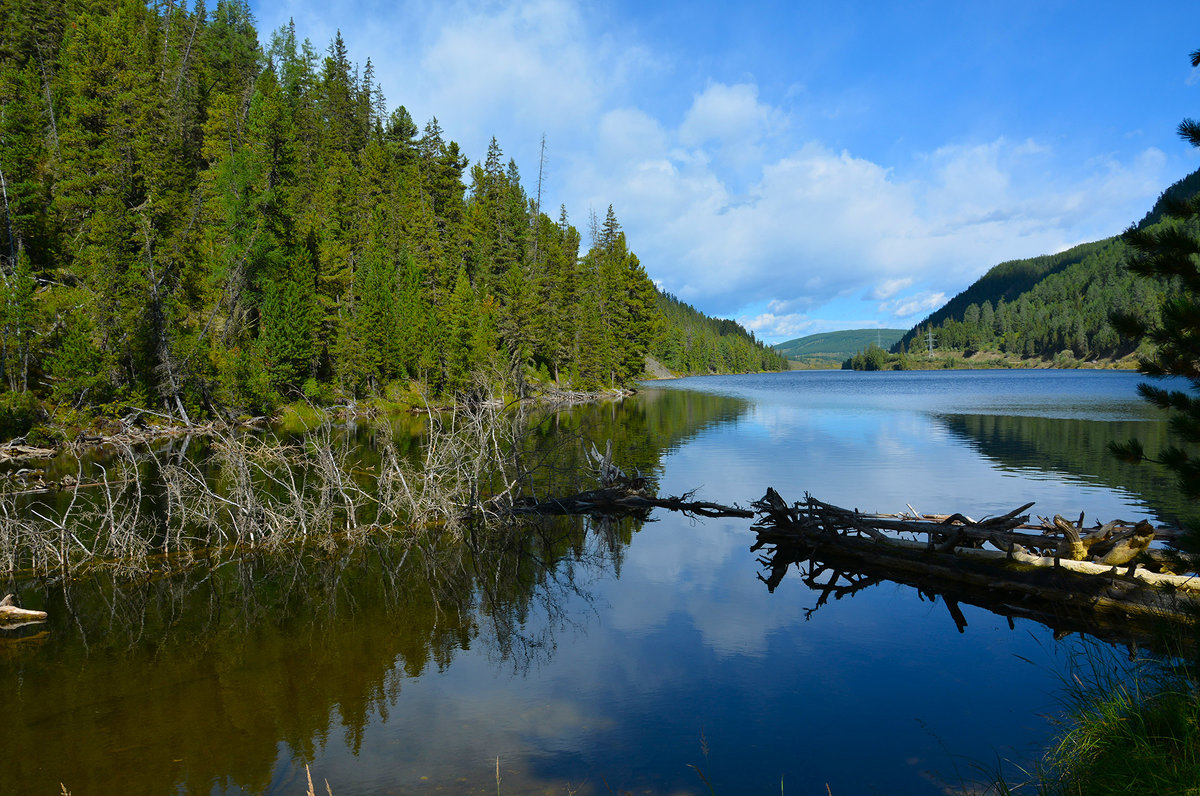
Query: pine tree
[18, 322]
[459, 347]
[286, 340]
[1172, 251]
[193, 222]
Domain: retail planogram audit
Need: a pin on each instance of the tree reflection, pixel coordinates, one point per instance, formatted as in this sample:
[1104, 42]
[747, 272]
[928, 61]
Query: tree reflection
[1074, 446]
[195, 674]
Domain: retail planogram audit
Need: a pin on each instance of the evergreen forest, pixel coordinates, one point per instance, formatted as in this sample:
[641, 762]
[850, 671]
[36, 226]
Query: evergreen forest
[207, 224]
[1055, 307]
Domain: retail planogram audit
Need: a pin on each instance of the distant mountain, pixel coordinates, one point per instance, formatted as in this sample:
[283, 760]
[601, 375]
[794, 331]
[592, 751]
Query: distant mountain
[1187, 187]
[836, 347]
[1054, 306]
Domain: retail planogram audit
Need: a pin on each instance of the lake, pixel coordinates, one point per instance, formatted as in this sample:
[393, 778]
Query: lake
[584, 656]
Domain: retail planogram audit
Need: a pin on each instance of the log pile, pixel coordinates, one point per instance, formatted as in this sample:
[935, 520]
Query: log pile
[1054, 566]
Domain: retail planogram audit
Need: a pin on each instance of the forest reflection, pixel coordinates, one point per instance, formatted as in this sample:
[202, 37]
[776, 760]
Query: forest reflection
[197, 678]
[1074, 447]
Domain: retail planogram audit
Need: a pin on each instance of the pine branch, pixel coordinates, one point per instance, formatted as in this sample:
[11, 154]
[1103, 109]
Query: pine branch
[1189, 130]
[1130, 452]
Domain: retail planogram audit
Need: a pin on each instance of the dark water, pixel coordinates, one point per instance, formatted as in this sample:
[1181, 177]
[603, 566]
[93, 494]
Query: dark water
[592, 657]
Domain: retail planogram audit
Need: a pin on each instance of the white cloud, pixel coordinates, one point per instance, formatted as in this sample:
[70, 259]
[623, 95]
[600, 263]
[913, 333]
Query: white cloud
[725, 203]
[890, 287]
[732, 121]
[910, 306]
[779, 327]
[632, 137]
[516, 61]
[781, 306]
[816, 224]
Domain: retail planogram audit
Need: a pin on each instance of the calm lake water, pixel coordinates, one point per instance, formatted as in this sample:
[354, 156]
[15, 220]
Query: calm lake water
[595, 658]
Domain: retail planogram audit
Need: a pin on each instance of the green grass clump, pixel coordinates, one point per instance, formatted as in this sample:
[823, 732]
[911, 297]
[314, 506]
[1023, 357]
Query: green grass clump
[1129, 740]
[1132, 728]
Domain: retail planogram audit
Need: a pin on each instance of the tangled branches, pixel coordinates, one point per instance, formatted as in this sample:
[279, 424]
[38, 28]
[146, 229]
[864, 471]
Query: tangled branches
[140, 510]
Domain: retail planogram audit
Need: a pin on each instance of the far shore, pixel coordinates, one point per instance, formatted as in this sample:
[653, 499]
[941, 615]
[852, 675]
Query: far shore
[984, 360]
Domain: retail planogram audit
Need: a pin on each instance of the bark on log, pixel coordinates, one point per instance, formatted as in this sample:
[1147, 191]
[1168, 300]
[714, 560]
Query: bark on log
[11, 613]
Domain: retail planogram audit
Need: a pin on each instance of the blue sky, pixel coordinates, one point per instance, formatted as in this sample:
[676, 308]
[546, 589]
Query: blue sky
[804, 166]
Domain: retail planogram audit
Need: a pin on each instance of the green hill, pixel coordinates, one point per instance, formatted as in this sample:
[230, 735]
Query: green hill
[835, 347]
[1006, 282]
[1055, 306]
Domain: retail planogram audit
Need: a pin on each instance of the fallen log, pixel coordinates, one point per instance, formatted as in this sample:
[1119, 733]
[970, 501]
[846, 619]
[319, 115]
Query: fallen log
[10, 613]
[13, 452]
[1047, 567]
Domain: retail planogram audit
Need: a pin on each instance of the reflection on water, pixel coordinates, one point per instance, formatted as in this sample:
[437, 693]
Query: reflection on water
[1074, 448]
[591, 657]
[195, 681]
[1036, 596]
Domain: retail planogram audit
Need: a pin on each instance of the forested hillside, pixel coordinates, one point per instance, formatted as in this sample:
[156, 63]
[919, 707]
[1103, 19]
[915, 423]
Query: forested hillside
[695, 343]
[200, 222]
[1052, 306]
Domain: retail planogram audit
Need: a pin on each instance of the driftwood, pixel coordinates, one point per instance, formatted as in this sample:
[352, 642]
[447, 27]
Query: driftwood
[621, 495]
[13, 451]
[1107, 544]
[620, 501]
[10, 613]
[1005, 559]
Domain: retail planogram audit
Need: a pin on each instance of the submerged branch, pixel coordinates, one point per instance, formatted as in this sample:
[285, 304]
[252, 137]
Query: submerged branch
[619, 502]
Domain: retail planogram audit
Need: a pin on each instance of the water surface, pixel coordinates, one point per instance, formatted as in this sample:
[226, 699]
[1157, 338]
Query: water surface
[594, 657]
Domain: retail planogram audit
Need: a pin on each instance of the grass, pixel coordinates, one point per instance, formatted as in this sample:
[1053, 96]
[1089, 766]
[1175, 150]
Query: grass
[300, 417]
[1128, 728]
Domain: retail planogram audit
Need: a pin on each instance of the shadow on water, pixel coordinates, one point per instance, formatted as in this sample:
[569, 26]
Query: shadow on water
[226, 674]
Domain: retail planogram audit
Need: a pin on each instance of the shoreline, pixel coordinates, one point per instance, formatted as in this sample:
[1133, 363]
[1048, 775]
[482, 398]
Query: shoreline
[987, 360]
[139, 427]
